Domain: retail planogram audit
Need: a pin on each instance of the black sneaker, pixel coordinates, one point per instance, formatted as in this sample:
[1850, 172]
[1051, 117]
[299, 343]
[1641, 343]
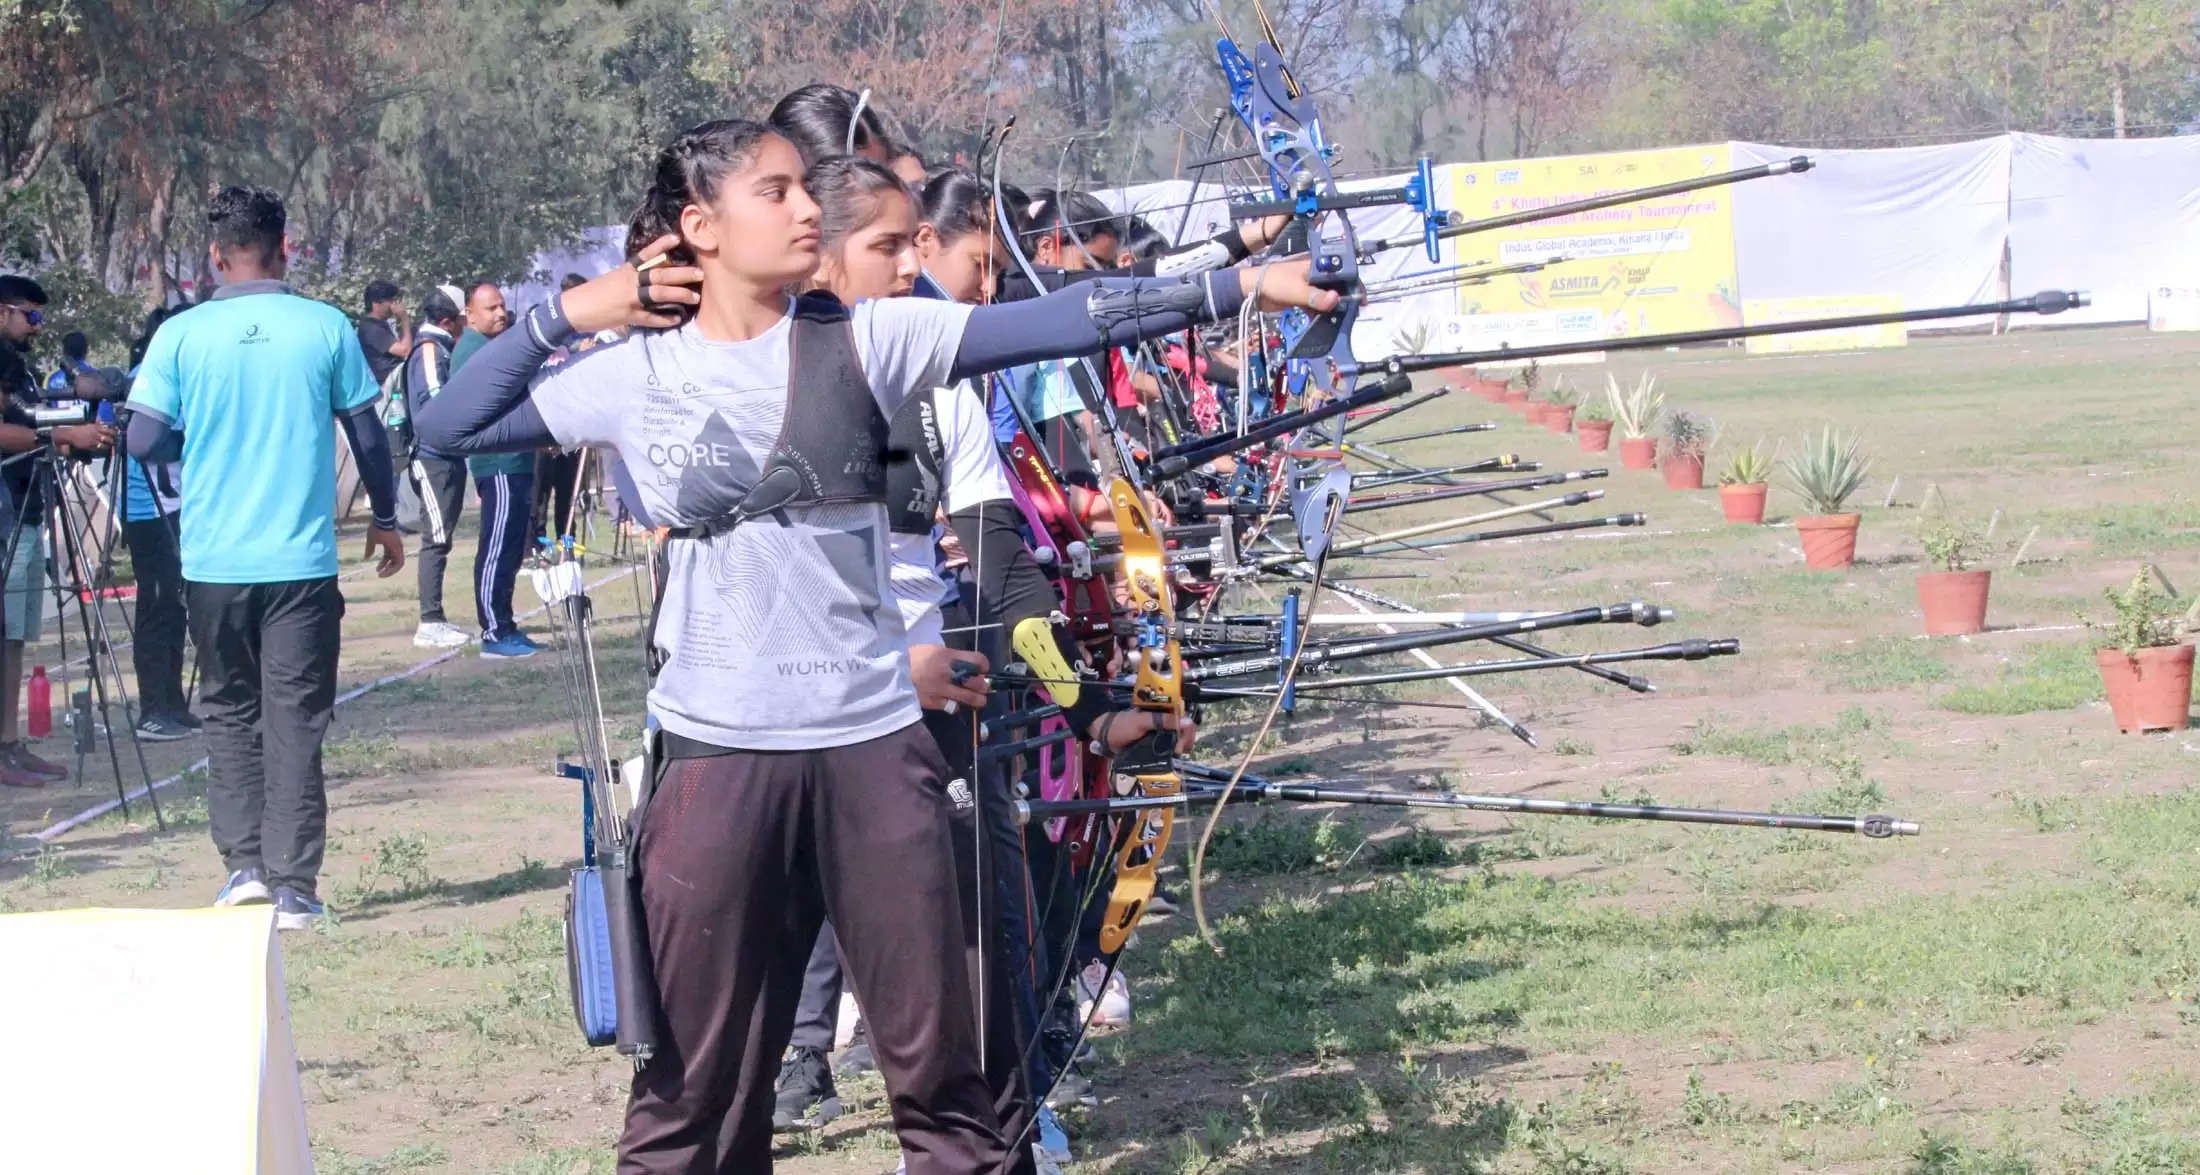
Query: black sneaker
[161, 728]
[295, 909]
[856, 1058]
[805, 1098]
[186, 718]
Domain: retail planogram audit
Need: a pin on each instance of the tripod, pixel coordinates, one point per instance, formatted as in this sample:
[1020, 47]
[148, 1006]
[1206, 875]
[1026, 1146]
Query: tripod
[50, 475]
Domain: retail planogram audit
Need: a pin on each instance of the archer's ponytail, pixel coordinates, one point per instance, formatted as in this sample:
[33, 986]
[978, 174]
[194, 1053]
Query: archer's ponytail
[956, 203]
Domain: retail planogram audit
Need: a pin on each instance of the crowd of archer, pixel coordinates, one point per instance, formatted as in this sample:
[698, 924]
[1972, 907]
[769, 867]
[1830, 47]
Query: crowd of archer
[820, 359]
[805, 381]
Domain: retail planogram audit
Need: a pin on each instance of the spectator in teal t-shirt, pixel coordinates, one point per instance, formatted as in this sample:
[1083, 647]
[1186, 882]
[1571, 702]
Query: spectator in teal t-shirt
[242, 389]
[506, 484]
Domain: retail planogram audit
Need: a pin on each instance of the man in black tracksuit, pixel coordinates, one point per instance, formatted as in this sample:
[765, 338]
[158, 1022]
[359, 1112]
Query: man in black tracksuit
[438, 478]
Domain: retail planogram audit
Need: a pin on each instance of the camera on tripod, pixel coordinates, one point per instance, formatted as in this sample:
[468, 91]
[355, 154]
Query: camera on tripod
[79, 405]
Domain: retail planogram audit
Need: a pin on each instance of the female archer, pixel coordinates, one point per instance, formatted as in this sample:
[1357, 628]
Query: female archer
[796, 780]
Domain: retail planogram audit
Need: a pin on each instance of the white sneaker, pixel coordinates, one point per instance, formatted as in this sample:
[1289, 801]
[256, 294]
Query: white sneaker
[1114, 998]
[438, 634]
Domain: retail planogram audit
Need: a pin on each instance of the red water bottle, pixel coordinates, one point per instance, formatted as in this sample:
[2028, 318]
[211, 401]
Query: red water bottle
[41, 704]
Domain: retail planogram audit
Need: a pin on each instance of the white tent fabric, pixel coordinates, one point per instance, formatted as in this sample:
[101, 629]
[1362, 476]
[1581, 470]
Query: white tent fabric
[1925, 224]
[2116, 217]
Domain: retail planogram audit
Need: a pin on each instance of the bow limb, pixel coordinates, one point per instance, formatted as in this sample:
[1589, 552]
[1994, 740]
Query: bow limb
[1158, 688]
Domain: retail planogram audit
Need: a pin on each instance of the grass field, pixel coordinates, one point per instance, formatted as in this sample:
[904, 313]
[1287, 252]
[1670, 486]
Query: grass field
[2017, 990]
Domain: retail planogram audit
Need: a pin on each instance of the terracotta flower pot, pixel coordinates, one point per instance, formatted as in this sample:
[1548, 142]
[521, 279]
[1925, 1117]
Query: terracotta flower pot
[1490, 389]
[1596, 435]
[1743, 503]
[1638, 452]
[2150, 689]
[1534, 411]
[1954, 602]
[1559, 418]
[1829, 540]
[1516, 398]
[1683, 473]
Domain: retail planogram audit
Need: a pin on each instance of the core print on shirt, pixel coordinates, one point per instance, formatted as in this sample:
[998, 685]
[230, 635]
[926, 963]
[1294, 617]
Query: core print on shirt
[714, 472]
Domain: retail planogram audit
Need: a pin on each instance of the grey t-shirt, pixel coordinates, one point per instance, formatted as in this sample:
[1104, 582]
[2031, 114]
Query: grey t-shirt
[781, 634]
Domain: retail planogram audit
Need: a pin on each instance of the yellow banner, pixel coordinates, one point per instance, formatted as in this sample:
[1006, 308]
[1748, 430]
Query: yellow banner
[1759, 311]
[1647, 268]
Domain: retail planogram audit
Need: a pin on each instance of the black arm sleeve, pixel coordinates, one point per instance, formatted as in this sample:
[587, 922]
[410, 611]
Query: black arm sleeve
[1199, 256]
[370, 451]
[1089, 317]
[152, 438]
[1013, 589]
[485, 409]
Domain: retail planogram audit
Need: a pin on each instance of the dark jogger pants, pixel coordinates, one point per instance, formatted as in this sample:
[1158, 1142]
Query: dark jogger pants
[441, 484]
[742, 855]
[267, 685]
[556, 474]
[817, 1013]
[505, 500]
[156, 648]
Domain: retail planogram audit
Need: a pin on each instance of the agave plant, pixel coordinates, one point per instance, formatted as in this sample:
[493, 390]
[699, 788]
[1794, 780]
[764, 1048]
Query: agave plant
[1827, 469]
[1635, 412]
[1689, 435]
[1410, 339]
[1747, 467]
[1562, 393]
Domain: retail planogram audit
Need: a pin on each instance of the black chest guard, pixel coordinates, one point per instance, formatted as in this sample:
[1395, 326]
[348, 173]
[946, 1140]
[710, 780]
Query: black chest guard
[832, 445]
[915, 457]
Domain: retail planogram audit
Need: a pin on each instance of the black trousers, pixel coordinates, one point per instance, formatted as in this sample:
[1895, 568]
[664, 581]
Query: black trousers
[505, 499]
[742, 856]
[156, 649]
[267, 685]
[441, 484]
[552, 509]
[990, 870]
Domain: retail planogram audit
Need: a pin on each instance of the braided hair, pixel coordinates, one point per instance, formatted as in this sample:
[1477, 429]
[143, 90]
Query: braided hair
[689, 171]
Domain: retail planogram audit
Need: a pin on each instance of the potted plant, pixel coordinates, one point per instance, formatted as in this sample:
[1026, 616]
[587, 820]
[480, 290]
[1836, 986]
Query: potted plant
[1825, 471]
[1522, 390]
[2146, 664]
[1593, 427]
[1952, 595]
[1688, 439]
[1558, 411]
[1636, 413]
[1742, 485]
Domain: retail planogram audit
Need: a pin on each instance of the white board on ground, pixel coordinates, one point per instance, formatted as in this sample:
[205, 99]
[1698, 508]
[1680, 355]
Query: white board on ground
[150, 1040]
[2173, 308]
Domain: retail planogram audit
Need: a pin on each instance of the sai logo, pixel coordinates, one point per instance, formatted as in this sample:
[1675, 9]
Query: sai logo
[959, 792]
